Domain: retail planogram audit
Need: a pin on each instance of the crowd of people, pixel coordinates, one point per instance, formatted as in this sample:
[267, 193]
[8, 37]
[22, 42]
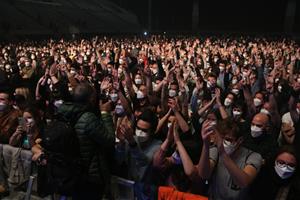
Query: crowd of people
[217, 117]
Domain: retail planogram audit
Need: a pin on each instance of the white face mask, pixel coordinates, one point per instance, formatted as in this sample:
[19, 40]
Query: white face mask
[169, 124]
[229, 147]
[227, 102]
[154, 71]
[7, 67]
[172, 93]
[257, 102]
[265, 111]
[141, 136]
[30, 121]
[256, 131]
[138, 81]
[236, 113]
[72, 72]
[235, 91]
[279, 88]
[140, 95]
[120, 70]
[109, 70]
[222, 69]
[298, 80]
[210, 85]
[176, 158]
[284, 171]
[119, 109]
[48, 121]
[27, 64]
[58, 103]
[234, 81]
[114, 97]
[3, 106]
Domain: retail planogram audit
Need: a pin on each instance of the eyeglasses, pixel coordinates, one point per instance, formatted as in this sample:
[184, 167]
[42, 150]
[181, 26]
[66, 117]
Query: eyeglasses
[282, 163]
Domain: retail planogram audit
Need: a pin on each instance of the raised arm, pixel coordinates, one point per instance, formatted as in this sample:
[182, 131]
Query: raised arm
[188, 166]
[159, 159]
[205, 165]
[173, 104]
[222, 110]
[162, 121]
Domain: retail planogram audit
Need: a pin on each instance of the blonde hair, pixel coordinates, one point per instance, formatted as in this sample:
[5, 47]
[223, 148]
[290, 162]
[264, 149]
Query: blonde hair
[24, 91]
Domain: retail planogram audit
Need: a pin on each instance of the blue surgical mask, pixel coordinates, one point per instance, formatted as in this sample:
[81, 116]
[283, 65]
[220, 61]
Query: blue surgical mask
[119, 109]
[177, 158]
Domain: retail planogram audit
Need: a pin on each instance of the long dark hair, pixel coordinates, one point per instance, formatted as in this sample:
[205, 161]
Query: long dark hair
[35, 115]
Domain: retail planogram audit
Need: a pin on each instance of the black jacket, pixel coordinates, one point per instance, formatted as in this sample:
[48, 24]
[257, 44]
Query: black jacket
[96, 138]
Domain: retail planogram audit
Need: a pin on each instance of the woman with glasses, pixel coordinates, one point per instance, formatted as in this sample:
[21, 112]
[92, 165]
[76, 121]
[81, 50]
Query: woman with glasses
[279, 181]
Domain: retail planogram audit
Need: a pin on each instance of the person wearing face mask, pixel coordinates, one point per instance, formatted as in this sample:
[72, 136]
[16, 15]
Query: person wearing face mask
[224, 76]
[142, 146]
[279, 180]
[260, 138]
[255, 103]
[211, 83]
[283, 93]
[28, 71]
[238, 111]
[8, 117]
[228, 101]
[141, 99]
[113, 94]
[230, 167]
[28, 130]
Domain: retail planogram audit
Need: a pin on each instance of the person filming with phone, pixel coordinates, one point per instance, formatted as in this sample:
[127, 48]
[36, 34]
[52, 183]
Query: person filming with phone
[28, 129]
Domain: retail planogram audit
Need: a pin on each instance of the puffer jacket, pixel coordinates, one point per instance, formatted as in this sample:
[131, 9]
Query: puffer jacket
[96, 138]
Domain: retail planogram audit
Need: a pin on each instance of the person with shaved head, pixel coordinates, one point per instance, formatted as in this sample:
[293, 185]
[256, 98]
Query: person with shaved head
[260, 138]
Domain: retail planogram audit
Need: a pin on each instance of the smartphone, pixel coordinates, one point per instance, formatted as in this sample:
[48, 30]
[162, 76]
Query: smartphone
[21, 121]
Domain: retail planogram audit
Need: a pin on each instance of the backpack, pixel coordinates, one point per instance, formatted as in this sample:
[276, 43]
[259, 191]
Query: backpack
[62, 150]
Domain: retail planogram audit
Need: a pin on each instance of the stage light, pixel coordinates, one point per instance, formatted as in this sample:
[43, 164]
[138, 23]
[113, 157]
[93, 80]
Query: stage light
[145, 33]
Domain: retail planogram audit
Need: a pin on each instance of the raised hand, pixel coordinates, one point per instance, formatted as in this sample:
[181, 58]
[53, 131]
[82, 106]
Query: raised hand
[218, 96]
[173, 104]
[53, 70]
[105, 84]
[170, 136]
[206, 131]
[106, 107]
[126, 131]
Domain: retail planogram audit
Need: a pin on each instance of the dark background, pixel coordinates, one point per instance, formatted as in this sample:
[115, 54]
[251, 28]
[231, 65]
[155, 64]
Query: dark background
[215, 15]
